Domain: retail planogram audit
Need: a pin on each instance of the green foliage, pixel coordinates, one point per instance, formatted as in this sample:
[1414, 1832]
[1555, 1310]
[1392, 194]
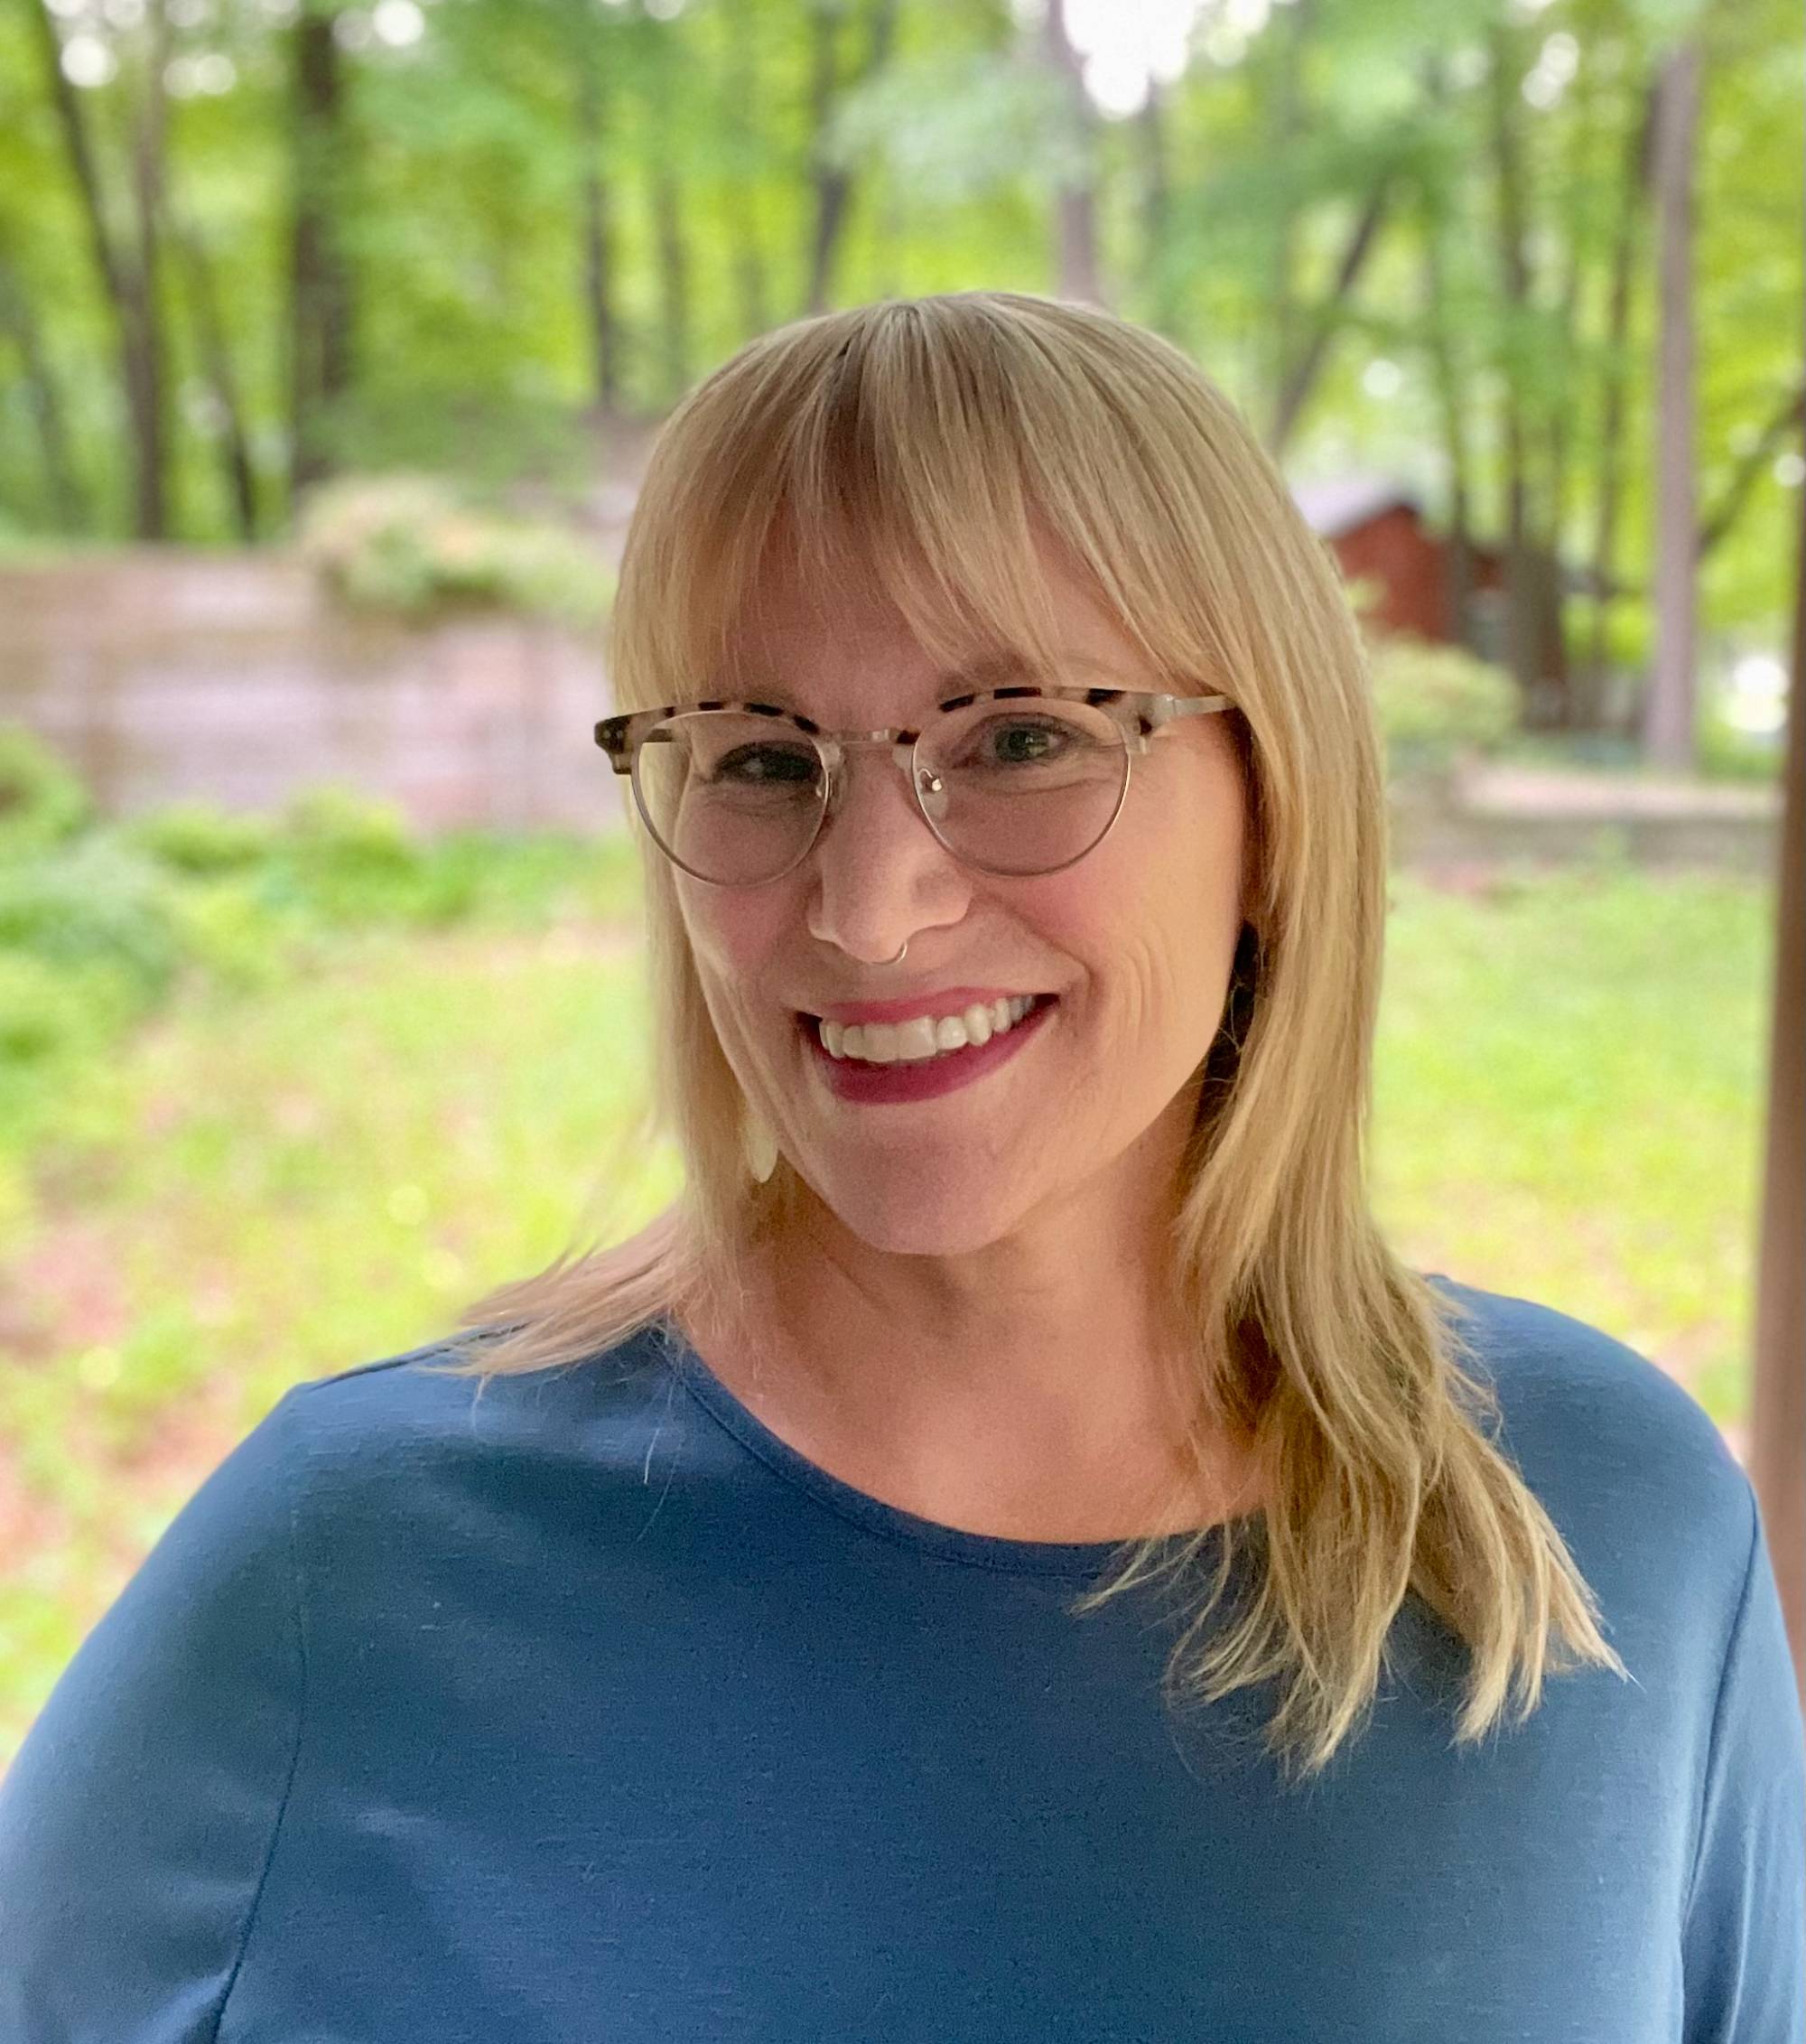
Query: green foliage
[48, 1011]
[954, 126]
[1726, 752]
[93, 901]
[416, 546]
[236, 931]
[100, 926]
[350, 855]
[43, 800]
[472, 160]
[200, 838]
[1438, 705]
[492, 440]
[89, 944]
[1569, 1099]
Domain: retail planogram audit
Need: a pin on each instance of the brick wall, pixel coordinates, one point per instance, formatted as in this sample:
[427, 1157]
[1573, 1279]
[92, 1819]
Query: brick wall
[162, 673]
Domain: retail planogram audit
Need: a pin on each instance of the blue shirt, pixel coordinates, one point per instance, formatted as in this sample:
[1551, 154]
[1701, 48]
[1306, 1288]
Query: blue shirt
[589, 1710]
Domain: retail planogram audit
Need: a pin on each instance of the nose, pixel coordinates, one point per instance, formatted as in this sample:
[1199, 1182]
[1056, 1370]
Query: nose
[877, 873]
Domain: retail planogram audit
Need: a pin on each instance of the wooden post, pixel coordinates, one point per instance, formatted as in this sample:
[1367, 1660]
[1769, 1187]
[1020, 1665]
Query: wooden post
[1777, 1436]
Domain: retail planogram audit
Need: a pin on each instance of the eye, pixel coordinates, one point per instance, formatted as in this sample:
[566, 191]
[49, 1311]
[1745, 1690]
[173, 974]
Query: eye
[1018, 741]
[1024, 741]
[766, 765]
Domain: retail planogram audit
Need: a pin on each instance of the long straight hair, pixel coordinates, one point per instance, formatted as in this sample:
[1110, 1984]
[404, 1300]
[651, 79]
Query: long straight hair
[921, 449]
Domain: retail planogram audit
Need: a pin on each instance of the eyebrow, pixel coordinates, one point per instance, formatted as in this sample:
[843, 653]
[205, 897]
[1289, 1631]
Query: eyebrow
[992, 671]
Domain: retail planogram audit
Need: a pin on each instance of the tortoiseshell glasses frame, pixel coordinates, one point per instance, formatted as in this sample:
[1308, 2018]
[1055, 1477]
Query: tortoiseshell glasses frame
[1138, 715]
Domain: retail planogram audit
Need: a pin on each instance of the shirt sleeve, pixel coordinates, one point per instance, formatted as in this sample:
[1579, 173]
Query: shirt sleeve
[1743, 1946]
[140, 1814]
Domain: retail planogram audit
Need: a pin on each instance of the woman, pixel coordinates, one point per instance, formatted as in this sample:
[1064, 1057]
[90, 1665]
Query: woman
[747, 1660]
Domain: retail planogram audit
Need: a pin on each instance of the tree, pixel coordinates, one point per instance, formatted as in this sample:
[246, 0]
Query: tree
[1615, 379]
[320, 311]
[831, 174]
[590, 76]
[1077, 272]
[18, 322]
[1670, 708]
[1778, 1413]
[127, 270]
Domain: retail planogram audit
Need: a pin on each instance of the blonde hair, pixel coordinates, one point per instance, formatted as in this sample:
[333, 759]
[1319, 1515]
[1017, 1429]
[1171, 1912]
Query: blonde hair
[923, 446]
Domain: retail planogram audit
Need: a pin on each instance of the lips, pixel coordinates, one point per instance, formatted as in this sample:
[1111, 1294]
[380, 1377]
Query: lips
[925, 1001]
[857, 1015]
[910, 1080]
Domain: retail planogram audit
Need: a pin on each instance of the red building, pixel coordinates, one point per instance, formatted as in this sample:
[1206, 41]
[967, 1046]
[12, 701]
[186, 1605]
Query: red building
[1377, 533]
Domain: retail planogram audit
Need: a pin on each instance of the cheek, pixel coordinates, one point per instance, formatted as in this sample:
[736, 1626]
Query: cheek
[1159, 927]
[730, 935]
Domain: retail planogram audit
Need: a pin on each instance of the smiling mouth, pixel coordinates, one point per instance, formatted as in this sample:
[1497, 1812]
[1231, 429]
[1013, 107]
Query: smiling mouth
[922, 1040]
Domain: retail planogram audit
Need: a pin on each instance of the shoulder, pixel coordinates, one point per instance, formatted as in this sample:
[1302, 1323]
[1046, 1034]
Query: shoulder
[405, 1411]
[1631, 1467]
[385, 1454]
[390, 1437]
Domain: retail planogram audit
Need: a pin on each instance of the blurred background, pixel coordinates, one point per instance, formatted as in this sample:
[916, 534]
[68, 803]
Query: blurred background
[332, 338]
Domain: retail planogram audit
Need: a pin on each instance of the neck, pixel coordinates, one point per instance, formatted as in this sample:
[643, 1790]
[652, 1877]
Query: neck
[1040, 1388]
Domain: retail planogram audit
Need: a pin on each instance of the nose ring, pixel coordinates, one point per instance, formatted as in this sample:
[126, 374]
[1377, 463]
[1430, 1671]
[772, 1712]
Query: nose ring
[897, 960]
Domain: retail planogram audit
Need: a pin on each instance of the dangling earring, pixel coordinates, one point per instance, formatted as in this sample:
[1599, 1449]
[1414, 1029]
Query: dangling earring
[760, 1147]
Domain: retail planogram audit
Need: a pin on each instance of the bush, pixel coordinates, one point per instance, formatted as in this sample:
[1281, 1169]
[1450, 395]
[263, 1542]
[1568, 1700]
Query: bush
[101, 921]
[43, 800]
[1438, 705]
[234, 934]
[349, 857]
[46, 1010]
[414, 546]
[97, 902]
[199, 839]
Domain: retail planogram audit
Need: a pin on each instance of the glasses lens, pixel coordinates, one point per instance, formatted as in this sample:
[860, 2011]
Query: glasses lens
[1022, 787]
[731, 797]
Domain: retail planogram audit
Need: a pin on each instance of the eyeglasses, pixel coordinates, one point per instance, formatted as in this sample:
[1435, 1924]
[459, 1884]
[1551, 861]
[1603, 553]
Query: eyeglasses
[1015, 780]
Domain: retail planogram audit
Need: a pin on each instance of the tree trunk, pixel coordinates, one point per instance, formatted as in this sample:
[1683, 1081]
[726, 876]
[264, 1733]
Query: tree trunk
[829, 191]
[675, 325]
[132, 304]
[215, 352]
[1532, 585]
[1784, 422]
[598, 237]
[1078, 277]
[62, 483]
[1777, 1438]
[832, 183]
[1591, 681]
[1718, 523]
[1556, 420]
[150, 129]
[671, 248]
[1287, 39]
[1451, 399]
[320, 302]
[1301, 378]
[751, 278]
[1157, 283]
[1670, 710]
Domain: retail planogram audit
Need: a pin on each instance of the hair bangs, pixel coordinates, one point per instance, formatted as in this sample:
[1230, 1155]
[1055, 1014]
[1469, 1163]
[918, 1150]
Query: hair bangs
[901, 458]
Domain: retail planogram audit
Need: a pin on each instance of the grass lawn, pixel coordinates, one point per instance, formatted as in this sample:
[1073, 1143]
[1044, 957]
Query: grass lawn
[1568, 1094]
[269, 1187]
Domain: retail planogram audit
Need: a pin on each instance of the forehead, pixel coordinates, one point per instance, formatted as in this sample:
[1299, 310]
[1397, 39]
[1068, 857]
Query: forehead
[851, 651]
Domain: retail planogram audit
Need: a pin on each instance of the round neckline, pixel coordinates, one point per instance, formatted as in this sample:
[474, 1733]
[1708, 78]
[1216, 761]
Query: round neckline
[946, 1543]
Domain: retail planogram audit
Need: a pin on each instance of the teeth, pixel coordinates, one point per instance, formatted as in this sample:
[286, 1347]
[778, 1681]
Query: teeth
[924, 1036]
